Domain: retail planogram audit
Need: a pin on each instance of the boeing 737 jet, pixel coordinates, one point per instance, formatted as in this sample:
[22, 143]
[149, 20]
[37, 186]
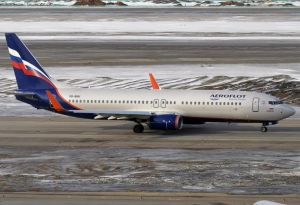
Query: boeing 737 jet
[159, 109]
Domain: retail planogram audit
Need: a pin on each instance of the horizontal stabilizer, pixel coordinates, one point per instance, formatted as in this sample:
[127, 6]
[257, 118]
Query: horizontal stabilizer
[26, 94]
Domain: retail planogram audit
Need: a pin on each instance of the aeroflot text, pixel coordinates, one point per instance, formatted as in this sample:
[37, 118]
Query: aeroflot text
[227, 96]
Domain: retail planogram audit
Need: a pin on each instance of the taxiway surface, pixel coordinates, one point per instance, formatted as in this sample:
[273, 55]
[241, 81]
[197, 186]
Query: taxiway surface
[65, 154]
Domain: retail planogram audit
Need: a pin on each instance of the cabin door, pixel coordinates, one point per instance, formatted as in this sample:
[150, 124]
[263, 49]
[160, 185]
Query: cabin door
[156, 103]
[255, 104]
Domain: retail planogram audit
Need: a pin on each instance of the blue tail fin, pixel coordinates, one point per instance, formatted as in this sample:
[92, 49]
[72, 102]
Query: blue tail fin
[29, 73]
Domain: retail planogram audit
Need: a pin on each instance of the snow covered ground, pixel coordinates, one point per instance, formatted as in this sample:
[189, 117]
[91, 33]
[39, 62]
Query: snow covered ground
[115, 27]
[169, 71]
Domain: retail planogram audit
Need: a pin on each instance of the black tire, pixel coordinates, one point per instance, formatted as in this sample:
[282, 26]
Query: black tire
[264, 129]
[138, 128]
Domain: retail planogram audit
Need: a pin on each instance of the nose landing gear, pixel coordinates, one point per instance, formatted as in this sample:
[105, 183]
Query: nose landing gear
[138, 128]
[265, 124]
[264, 129]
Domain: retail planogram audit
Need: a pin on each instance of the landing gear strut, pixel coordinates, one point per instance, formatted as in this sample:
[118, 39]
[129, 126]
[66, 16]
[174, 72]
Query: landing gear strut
[264, 129]
[138, 128]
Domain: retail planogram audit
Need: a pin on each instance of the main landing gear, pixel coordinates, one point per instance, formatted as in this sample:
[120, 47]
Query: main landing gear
[264, 129]
[138, 128]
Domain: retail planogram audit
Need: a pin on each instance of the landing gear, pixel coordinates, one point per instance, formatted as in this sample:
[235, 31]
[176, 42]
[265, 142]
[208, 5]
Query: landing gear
[264, 129]
[138, 128]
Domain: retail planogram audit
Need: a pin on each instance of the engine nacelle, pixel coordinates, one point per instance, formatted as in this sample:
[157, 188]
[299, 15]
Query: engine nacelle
[165, 122]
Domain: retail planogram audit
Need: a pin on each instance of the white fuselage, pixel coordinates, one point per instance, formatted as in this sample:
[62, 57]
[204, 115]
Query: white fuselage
[210, 105]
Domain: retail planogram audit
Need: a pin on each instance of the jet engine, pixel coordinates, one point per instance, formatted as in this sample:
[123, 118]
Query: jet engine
[165, 122]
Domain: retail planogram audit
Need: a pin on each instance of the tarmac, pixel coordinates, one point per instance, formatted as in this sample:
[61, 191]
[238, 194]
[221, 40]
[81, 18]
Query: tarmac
[84, 133]
[69, 160]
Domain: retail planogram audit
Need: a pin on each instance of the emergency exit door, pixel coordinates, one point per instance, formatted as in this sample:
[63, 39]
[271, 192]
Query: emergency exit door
[255, 105]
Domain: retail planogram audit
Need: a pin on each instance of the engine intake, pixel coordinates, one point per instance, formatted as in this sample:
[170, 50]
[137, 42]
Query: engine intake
[165, 122]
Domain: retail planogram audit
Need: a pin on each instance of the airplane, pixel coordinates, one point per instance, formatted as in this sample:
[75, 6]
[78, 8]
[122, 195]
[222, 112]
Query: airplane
[159, 109]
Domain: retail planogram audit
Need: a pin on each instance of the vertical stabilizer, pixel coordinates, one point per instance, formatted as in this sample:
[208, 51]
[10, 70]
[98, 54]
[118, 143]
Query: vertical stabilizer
[29, 73]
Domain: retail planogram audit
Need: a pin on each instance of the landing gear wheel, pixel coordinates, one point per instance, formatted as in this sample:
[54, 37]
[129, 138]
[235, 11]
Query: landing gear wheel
[264, 129]
[138, 128]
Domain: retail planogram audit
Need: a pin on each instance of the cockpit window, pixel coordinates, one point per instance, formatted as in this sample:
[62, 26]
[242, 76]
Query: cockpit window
[275, 102]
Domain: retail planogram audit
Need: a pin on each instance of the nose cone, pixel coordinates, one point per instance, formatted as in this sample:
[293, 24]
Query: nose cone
[289, 111]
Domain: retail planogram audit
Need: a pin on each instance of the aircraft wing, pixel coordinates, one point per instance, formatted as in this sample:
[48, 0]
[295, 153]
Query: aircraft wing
[111, 115]
[99, 112]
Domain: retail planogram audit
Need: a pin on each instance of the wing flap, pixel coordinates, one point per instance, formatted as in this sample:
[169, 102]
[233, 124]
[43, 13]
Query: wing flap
[113, 113]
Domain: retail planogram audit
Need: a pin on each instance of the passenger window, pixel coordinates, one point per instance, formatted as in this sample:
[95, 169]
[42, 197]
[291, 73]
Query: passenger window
[240, 103]
[130, 101]
[138, 102]
[195, 103]
[212, 103]
[123, 101]
[224, 103]
[127, 101]
[203, 103]
[151, 102]
[135, 102]
[120, 101]
[115, 101]
[174, 103]
[199, 103]
[102, 101]
[231, 103]
[182, 102]
[107, 101]
[166, 102]
[216, 103]
[187, 102]
[191, 102]
[235, 103]
[76, 101]
[142, 102]
[147, 102]
[87, 101]
[170, 102]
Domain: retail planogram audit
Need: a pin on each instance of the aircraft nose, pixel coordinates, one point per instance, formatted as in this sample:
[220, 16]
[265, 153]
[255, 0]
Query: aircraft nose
[289, 111]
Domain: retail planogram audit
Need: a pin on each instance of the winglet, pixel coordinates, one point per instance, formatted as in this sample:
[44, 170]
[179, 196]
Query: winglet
[154, 83]
[54, 102]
